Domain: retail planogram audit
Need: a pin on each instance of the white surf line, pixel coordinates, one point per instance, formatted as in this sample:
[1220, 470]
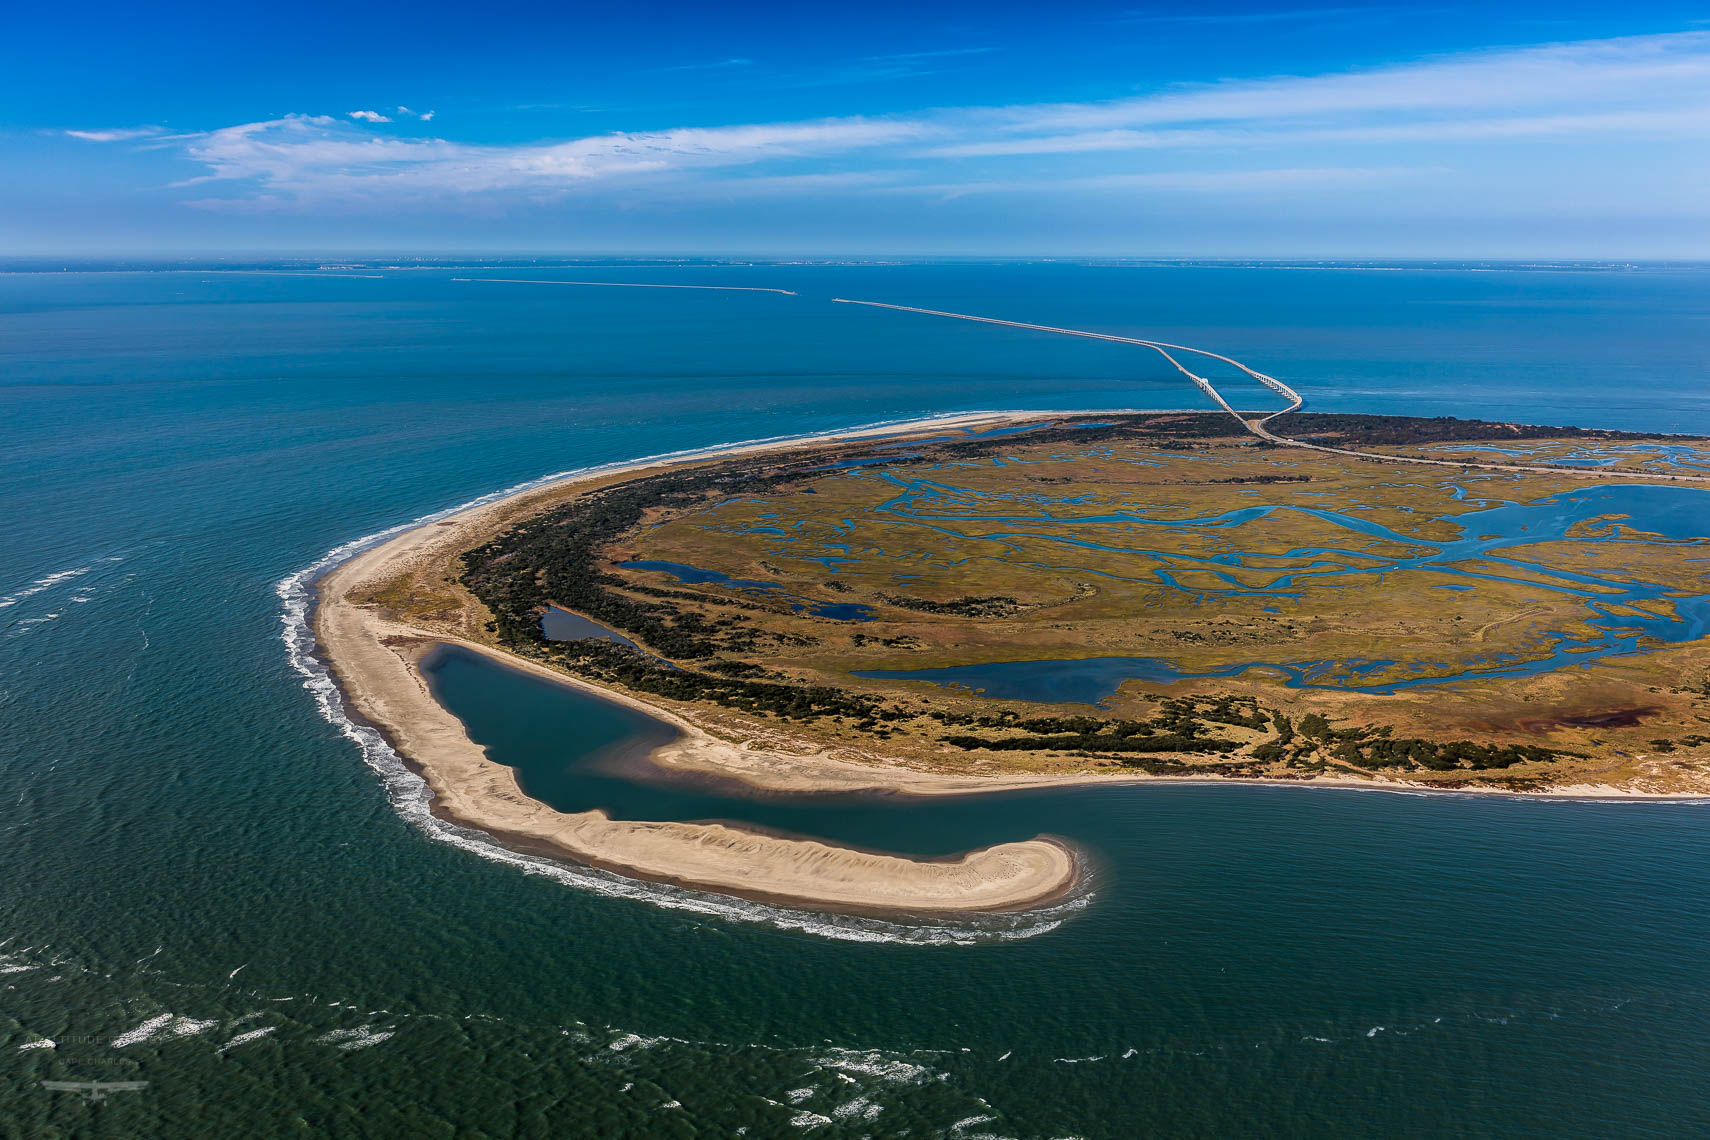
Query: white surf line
[625, 285]
[1257, 424]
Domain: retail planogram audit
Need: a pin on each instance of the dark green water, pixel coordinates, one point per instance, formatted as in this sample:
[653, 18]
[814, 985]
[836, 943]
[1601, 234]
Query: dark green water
[567, 749]
[1253, 962]
[1463, 941]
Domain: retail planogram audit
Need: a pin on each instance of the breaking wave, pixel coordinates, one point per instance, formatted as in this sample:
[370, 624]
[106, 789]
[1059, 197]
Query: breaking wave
[46, 582]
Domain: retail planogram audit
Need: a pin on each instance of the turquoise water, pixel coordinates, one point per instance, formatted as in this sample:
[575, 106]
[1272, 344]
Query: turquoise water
[187, 838]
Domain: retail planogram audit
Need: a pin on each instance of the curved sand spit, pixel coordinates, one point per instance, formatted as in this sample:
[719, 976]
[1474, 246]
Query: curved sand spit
[375, 659]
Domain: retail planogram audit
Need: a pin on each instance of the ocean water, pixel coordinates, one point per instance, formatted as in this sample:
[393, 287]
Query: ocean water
[205, 886]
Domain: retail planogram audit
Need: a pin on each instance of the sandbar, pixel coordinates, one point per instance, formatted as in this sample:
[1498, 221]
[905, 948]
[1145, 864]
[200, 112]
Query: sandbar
[375, 659]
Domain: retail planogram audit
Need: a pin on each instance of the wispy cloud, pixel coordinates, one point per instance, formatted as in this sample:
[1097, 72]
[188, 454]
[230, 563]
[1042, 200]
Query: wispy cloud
[1272, 16]
[1340, 128]
[1651, 71]
[308, 159]
[714, 65]
[1187, 181]
[880, 68]
[940, 53]
[1677, 123]
[120, 134]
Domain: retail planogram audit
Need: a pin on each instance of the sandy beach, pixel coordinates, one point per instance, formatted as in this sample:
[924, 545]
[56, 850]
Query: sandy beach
[375, 660]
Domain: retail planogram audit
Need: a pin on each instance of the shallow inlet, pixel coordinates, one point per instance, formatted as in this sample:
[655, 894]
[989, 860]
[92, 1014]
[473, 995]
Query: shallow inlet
[576, 751]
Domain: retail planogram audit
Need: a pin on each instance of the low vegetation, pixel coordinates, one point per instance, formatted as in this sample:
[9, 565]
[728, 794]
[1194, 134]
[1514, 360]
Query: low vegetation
[979, 587]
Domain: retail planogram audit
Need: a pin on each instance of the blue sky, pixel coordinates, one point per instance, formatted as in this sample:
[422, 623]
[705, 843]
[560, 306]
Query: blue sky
[1221, 129]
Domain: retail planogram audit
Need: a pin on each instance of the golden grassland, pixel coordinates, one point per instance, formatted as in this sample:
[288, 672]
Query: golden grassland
[1054, 550]
[1626, 456]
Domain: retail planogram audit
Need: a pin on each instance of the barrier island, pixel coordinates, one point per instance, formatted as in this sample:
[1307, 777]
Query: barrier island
[1029, 599]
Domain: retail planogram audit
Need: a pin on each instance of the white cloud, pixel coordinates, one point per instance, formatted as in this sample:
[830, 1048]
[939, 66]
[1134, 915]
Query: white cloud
[1304, 15]
[715, 65]
[940, 53]
[1656, 122]
[315, 158]
[1652, 70]
[1276, 132]
[1189, 181]
[120, 134]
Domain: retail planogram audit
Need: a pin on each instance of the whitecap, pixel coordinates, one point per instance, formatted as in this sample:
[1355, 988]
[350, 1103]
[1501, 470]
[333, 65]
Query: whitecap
[44, 1043]
[861, 1107]
[632, 1040]
[164, 1027]
[47, 582]
[805, 1119]
[246, 1038]
[362, 1037]
[872, 1063]
[142, 1032]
